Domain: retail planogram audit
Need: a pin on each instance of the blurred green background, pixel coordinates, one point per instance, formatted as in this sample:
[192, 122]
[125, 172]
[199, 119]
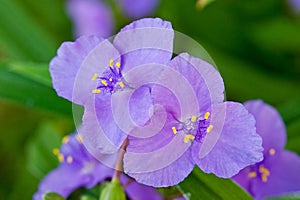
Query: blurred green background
[255, 44]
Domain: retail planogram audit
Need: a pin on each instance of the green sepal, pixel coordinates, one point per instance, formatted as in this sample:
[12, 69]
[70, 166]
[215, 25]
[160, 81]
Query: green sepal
[87, 197]
[113, 191]
[52, 196]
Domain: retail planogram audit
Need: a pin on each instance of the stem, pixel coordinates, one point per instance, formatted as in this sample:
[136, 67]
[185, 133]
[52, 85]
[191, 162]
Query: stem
[128, 183]
[119, 164]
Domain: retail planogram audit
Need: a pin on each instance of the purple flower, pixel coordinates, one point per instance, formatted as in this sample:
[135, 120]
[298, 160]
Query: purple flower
[278, 173]
[295, 4]
[94, 17]
[138, 8]
[220, 137]
[79, 169]
[95, 73]
[90, 17]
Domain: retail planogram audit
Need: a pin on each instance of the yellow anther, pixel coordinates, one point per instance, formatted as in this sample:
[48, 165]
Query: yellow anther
[96, 91]
[104, 82]
[209, 128]
[121, 84]
[79, 138]
[65, 139]
[272, 151]
[193, 119]
[264, 173]
[55, 151]
[60, 157]
[174, 130]
[69, 159]
[252, 175]
[206, 115]
[267, 172]
[110, 79]
[118, 64]
[188, 137]
[264, 178]
[262, 169]
[95, 76]
[111, 63]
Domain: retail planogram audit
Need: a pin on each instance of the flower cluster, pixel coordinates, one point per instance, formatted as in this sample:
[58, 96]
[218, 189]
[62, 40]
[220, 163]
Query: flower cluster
[170, 110]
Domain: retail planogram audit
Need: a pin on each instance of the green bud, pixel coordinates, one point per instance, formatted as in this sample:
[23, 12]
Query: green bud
[86, 197]
[113, 191]
[203, 3]
[52, 196]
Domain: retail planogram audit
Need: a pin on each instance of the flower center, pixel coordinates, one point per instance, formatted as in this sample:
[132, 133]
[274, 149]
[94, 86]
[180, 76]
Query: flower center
[259, 169]
[111, 80]
[195, 128]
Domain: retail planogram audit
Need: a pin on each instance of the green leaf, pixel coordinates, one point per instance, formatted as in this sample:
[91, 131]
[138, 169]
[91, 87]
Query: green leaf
[208, 186]
[290, 197]
[39, 151]
[30, 89]
[21, 38]
[35, 71]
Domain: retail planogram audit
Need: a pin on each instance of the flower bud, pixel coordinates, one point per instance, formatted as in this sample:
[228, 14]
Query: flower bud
[52, 196]
[113, 191]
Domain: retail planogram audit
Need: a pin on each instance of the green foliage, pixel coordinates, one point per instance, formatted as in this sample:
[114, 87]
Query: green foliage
[289, 197]
[21, 38]
[30, 30]
[208, 186]
[39, 150]
[31, 88]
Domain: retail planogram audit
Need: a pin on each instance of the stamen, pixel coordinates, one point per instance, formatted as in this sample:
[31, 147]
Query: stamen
[104, 82]
[174, 130]
[264, 178]
[193, 119]
[55, 151]
[206, 115]
[209, 128]
[65, 139]
[118, 64]
[264, 173]
[121, 84]
[262, 169]
[188, 137]
[110, 79]
[60, 157]
[79, 138]
[272, 151]
[111, 63]
[69, 159]
[95, 76]
[252, 175]
[96, 91]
